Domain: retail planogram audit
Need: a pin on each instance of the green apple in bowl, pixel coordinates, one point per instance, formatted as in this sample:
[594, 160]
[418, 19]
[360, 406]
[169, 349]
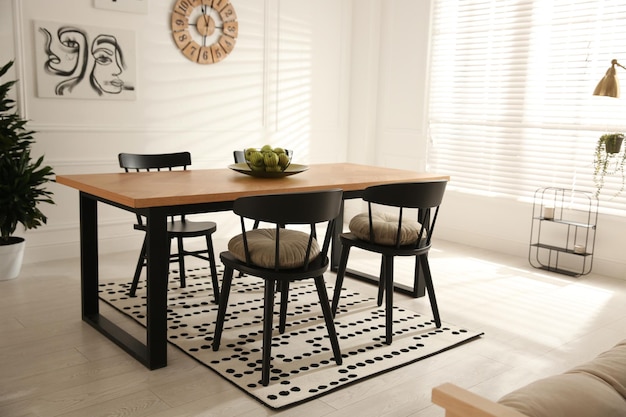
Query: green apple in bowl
[267, 159]
[270, 159]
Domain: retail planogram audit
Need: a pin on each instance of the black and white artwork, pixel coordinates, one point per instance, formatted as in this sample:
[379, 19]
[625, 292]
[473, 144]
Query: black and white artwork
[131, 6]
[75, 61]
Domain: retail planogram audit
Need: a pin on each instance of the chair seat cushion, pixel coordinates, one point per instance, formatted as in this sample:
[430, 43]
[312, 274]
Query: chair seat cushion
[385, 227]
[262, 247]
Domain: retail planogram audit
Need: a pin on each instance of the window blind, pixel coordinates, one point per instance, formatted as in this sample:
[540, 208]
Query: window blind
[510, 102]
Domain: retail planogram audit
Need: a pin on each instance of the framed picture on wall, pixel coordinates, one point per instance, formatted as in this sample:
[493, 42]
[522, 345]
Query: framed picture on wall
[84, 62]
[131, 6]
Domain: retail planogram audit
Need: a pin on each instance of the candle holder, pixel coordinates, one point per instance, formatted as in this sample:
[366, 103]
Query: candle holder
[548, 213]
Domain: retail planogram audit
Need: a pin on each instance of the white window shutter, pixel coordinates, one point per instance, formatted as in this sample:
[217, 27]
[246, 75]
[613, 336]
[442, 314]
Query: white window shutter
[510, 102]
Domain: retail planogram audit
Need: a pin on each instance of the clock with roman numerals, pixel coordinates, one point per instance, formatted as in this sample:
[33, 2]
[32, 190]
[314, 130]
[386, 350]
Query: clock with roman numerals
[205, 30]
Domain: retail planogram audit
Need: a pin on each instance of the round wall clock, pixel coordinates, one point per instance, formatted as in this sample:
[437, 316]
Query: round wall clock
[205, 30]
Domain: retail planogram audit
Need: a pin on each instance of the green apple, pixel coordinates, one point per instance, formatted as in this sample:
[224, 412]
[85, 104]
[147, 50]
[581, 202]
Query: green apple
[249, 151]
[270, 159]
[266, 148]
[283, 160]
[256, 158]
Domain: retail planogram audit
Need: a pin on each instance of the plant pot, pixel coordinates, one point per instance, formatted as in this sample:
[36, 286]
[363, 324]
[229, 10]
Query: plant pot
[11, 257]
[613, 145]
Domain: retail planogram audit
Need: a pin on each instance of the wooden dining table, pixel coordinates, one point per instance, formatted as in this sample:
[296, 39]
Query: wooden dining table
[156, 195]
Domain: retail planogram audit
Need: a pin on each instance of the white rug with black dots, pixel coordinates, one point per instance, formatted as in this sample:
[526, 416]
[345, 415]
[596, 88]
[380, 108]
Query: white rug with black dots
[302, 363]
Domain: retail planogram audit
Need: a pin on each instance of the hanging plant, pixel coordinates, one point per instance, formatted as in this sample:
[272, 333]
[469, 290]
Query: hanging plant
[609, 160]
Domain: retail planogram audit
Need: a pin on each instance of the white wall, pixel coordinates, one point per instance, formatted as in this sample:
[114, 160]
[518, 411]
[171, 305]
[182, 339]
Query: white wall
[334, 79]
[285, 83]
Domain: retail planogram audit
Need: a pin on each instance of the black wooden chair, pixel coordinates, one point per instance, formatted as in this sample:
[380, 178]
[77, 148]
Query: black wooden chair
[280, 255]
[178, 227]
[391, 234]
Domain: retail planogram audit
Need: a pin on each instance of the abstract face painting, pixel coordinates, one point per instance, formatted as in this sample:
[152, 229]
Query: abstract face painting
[84, 62]
[66, 57]
[108, 65]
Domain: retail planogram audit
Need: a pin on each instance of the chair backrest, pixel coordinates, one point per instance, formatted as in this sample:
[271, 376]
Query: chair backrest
[306, 208]
[426, 197]
[420, 195]
[158, 162]
[239, 157]
[161, 161]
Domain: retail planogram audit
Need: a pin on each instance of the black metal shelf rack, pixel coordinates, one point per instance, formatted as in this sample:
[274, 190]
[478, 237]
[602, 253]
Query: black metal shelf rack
[563, 231]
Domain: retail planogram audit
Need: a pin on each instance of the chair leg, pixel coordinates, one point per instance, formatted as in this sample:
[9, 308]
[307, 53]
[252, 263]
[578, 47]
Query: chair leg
[221, 310]
[215, 282]
[284, 301]
[268, 315]
[328, 317]
[418, 282]
[381, 282]
[388, 268]
[341, 271]
[181, 262]
[431, 289]
[138, 268]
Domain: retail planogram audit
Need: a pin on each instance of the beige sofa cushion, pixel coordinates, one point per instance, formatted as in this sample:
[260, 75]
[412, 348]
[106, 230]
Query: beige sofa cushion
[385, 227]
[596, 388]
[610, 367]
[262, 247]
[567, 395]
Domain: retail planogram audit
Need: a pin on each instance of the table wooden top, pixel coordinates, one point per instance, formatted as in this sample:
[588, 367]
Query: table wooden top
[172, 188]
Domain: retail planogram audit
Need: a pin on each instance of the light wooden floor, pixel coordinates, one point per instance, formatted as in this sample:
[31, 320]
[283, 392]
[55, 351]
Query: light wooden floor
[535, 324]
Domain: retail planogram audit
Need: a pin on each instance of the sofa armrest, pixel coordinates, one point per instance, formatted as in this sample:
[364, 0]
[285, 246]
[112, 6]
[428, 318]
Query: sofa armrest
[459, 402]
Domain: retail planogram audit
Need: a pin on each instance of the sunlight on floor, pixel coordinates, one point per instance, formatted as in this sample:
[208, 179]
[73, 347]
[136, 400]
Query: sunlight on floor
[509, 299]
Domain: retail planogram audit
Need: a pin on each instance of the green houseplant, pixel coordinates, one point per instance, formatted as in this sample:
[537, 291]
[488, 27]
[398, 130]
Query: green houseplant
[22, 181]
[609, 159]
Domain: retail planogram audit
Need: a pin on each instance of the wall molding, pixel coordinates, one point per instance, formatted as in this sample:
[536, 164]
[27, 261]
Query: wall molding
[19, 50]
[152, 129]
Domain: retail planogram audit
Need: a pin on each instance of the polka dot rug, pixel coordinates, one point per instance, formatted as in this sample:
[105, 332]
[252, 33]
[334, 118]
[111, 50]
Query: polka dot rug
[302, 362]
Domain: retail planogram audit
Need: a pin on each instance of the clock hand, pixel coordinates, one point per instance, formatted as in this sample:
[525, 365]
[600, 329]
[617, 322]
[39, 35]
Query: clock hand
[203, 11]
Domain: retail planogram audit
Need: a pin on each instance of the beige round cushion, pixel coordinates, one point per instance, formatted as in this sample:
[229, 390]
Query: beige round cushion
[262, 247]
[385, 227]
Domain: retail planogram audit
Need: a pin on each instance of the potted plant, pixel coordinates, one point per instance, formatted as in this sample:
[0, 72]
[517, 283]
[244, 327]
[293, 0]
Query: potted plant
[22, 182]
[612, 142]
[609, 159]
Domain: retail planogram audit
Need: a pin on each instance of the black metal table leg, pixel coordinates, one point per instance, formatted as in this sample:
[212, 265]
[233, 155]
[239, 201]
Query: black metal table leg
[89, 256]
[153, 354]
[158, 265]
